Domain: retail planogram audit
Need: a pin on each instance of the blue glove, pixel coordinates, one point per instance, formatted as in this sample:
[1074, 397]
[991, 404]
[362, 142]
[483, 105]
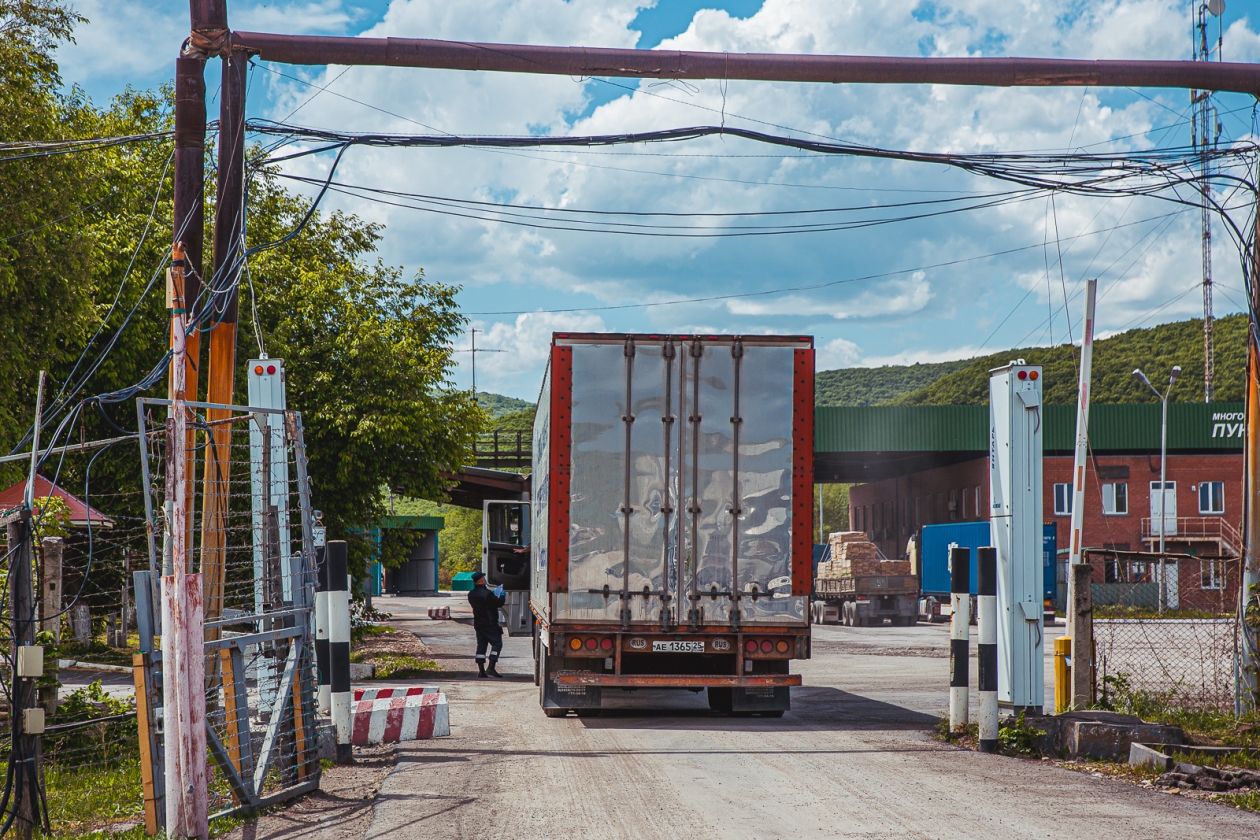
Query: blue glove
[498, 591]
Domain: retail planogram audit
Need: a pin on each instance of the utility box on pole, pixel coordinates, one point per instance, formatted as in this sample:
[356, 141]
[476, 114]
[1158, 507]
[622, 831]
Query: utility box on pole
[1015, 433]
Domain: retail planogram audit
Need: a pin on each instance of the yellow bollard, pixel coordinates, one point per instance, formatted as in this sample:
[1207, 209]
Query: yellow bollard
[1062, 674]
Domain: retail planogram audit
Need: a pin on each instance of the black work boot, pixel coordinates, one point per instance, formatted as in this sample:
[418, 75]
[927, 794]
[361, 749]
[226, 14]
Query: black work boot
[491, 671]
[481, 668]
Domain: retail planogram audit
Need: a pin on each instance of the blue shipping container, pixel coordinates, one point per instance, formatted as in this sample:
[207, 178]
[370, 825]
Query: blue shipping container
[934, 554]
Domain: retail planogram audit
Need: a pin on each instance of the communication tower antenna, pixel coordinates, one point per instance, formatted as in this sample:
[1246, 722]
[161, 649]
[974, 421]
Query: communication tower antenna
[1205, 132]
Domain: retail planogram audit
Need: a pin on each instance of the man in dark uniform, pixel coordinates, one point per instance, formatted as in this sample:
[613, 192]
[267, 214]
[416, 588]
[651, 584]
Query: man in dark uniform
[485, 605]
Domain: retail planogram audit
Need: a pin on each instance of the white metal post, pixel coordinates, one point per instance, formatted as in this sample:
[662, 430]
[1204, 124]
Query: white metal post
[1015, 449]
[1082, 431]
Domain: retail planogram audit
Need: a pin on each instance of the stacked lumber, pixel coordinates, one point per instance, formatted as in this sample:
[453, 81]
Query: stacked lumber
[854, 555]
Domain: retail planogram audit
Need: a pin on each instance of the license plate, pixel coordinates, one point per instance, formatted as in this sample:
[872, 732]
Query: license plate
[677, 647]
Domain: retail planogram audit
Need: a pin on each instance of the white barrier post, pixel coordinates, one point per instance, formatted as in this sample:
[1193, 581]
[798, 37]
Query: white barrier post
[335, 561]
[959, 641]
[986, 607]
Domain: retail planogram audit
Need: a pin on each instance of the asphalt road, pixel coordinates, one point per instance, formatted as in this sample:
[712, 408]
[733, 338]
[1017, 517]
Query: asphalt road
[853, 758]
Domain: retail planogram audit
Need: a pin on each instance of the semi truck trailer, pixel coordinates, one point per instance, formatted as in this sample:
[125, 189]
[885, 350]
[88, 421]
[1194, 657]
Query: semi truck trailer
[672, 512]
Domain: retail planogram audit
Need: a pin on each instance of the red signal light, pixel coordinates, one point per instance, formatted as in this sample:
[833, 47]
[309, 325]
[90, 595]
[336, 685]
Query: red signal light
[271, 368]
[1023, 374]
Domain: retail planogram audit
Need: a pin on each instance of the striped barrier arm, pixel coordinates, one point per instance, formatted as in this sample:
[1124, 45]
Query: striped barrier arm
[986, 619]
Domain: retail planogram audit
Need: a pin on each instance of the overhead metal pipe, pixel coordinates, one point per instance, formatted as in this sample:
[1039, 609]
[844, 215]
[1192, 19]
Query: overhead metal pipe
[680, 64]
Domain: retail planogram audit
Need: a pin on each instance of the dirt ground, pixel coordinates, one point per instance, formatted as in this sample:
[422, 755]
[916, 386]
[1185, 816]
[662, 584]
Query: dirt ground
[342, 807]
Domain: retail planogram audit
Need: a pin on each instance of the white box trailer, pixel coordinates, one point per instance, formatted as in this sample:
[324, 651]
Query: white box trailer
[672, 514]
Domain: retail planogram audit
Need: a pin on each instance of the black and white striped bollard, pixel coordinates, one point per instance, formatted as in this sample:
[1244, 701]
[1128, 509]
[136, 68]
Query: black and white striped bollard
[986, 618]
[960, 609]
[324, 698]
[336, 560]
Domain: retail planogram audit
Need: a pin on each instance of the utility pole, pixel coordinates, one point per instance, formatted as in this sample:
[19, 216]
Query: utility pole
[473, 351]
[1082, 647]
[1247, 692]
[228, 255]
[1205, 123]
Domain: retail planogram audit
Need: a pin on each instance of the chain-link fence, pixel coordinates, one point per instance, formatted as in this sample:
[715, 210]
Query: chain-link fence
[1165, 628]
[97, 543]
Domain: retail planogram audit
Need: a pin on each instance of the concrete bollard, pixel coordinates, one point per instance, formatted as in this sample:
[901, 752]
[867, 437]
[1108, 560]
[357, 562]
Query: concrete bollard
[336, 560]
[959, 636]
[986, 648]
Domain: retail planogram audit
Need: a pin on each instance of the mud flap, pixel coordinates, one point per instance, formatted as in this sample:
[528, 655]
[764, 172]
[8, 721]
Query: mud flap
[554, 696]
[767, 698]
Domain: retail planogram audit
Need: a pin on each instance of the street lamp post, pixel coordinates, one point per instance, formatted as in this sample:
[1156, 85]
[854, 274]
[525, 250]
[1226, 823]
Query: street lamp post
[1163, 468]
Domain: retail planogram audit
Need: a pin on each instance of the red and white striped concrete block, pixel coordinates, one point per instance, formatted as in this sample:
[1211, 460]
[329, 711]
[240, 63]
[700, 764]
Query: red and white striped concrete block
[439, 612]
[381, 692]
[405, 717]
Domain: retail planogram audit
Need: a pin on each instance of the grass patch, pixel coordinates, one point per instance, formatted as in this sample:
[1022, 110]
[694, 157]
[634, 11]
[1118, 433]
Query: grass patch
[401, 666]
[1202, 726]
[1249, 801]
[82, 798]
[1123, 611]
[365, 631]
[93, 651]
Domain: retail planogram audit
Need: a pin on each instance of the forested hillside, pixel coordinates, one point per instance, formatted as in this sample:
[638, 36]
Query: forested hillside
[1155, 350]
[878, 386]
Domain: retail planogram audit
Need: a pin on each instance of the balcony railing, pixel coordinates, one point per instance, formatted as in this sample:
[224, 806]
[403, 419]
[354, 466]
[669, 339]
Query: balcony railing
[503, 450]
[1195, 529]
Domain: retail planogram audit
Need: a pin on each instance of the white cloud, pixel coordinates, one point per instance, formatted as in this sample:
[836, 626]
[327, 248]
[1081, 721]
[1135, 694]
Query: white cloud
[510, 269]
[837, 353]
[516, 353]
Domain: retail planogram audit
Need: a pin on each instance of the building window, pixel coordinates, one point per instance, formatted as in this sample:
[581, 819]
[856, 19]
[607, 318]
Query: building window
[1116, 498]
[1212, 574]
[1211, 500]
[953, 504]
[979, 506]
[1140, 572]
[964, 503]
[1063, 500]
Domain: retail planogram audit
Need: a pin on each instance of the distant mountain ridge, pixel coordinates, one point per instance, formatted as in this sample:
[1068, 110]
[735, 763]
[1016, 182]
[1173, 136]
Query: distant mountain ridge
[966, 381]
[878, 386]
[497, 405]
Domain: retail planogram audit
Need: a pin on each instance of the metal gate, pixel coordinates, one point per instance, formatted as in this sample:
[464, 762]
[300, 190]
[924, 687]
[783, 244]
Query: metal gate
[252, 538]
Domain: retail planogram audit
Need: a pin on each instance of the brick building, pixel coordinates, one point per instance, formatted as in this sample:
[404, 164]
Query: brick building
[928, 465]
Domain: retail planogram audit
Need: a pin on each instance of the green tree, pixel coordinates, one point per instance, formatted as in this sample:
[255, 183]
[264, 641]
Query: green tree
[45, 246]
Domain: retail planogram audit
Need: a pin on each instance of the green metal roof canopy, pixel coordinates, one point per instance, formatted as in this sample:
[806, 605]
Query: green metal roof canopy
[869, 443]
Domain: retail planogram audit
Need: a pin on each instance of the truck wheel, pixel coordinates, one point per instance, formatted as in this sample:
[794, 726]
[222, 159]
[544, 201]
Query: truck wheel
[845, 618]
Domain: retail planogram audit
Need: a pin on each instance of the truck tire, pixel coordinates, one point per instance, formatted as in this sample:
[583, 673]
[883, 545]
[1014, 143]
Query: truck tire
[846, 614]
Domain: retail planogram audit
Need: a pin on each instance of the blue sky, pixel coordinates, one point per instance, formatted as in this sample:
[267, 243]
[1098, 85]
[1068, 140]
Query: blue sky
[936, 288]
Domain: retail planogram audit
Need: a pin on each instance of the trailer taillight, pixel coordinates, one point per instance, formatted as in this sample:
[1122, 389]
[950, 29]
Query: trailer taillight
[781, 646]
[575, 643]
[591, 644]
[607, 643]
[750, 646]
[766, 645]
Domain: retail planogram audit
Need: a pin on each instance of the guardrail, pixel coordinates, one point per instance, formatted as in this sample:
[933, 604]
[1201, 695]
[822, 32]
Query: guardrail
[1213, 528]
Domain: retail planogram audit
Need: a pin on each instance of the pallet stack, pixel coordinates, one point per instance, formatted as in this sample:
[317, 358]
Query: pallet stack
[853, 555]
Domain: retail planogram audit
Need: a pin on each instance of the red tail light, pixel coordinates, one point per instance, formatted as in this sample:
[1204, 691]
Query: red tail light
[591, 644]
[607, 643]
[750, 646]
[767, 646]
